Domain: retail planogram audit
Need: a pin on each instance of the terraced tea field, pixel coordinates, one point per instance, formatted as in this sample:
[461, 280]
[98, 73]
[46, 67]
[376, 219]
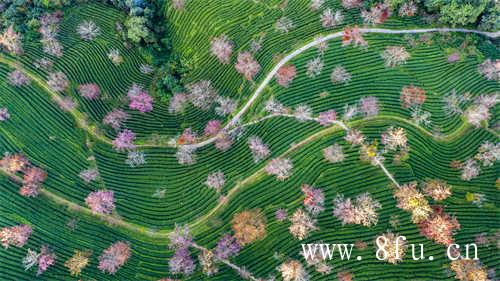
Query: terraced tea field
[427, 117]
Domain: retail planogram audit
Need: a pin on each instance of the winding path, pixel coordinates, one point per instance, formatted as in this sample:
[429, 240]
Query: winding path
[91, 129]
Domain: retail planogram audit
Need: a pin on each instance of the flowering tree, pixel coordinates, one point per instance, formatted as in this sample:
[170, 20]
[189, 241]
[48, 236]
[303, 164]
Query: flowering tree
[439, 227]
[334, 153]
[395, 56]
[378, 14]
[115, 56]
[11, 41]
[88, 30]
[488, 153]
[18, 78]
[394, 138]
[101, 202]
[216, 180]
[469, 270]
[89, 91]
[369, 106]
[285, 75]
[248, 226]
[330, 19]
[225, 106]
[470, 170]
[410, 199]
[362, 211]
[188, 136]
[283, 25]
[314, 67]
[212, 128]
[124, 141]
[46, 259]
[327, 118]
[352, 35]
[394, 254]
[139, 99]
[412, 96]
[303, 112]
[89, 175]
[227, 247]
[49, 29]
[135, 159]
[280, 167]
[4, 114]
[354, 137]
[115, 118]
[302, 224]
[202, 94]
[477, 115]
[408, 9]
[345, 276]
[259, 149]
[32, 180]
[314, 200]
[114, 257]
[316, 4]
[208, 262]
[222, 48]
[15, 235]
[247, 66]
[275, 107]
[13, 163]
[351, 4]
[224, 141]
[67, 103]
[77, 262]
[179, 5]
[340, 75]
[490, 69]
[281, 215]
[185, 155]
[58, 81]
[437, 189]
[178, 103]
[292, 270]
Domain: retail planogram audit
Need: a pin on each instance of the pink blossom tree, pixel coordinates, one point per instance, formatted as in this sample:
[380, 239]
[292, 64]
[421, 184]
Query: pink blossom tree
[18, 78]
[178, 103]
[58, 81]
[88, 30]
[334, 153]
[285, 75]
[329, 19]
[314, 199]
[222, 48]
[216, 180]
[280, 167]
[395, 56]
[11, 41]
[115, 118]
[89, 91]
[490, 69]
[378, 14]
[202, 94]
[316, 4]
[227, 247]
[32, 181]
[327, 118]
[225, 106]
[114, 257]
[224, 141]
[354, 137]
[212, 128]
[16, 235]
[140, 99]
[259, 149]
[188, 136]
[46, 259]
[439, 227]
[340, 75]
[4, 114]
[101, 202]
[301, 224]
[369, 106]
[352, 35]
[89, 175]
[247, 66]
[124, 141]
[351, 4]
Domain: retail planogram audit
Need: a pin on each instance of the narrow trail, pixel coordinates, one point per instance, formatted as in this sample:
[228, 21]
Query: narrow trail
[115, 221]
[92, 130]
